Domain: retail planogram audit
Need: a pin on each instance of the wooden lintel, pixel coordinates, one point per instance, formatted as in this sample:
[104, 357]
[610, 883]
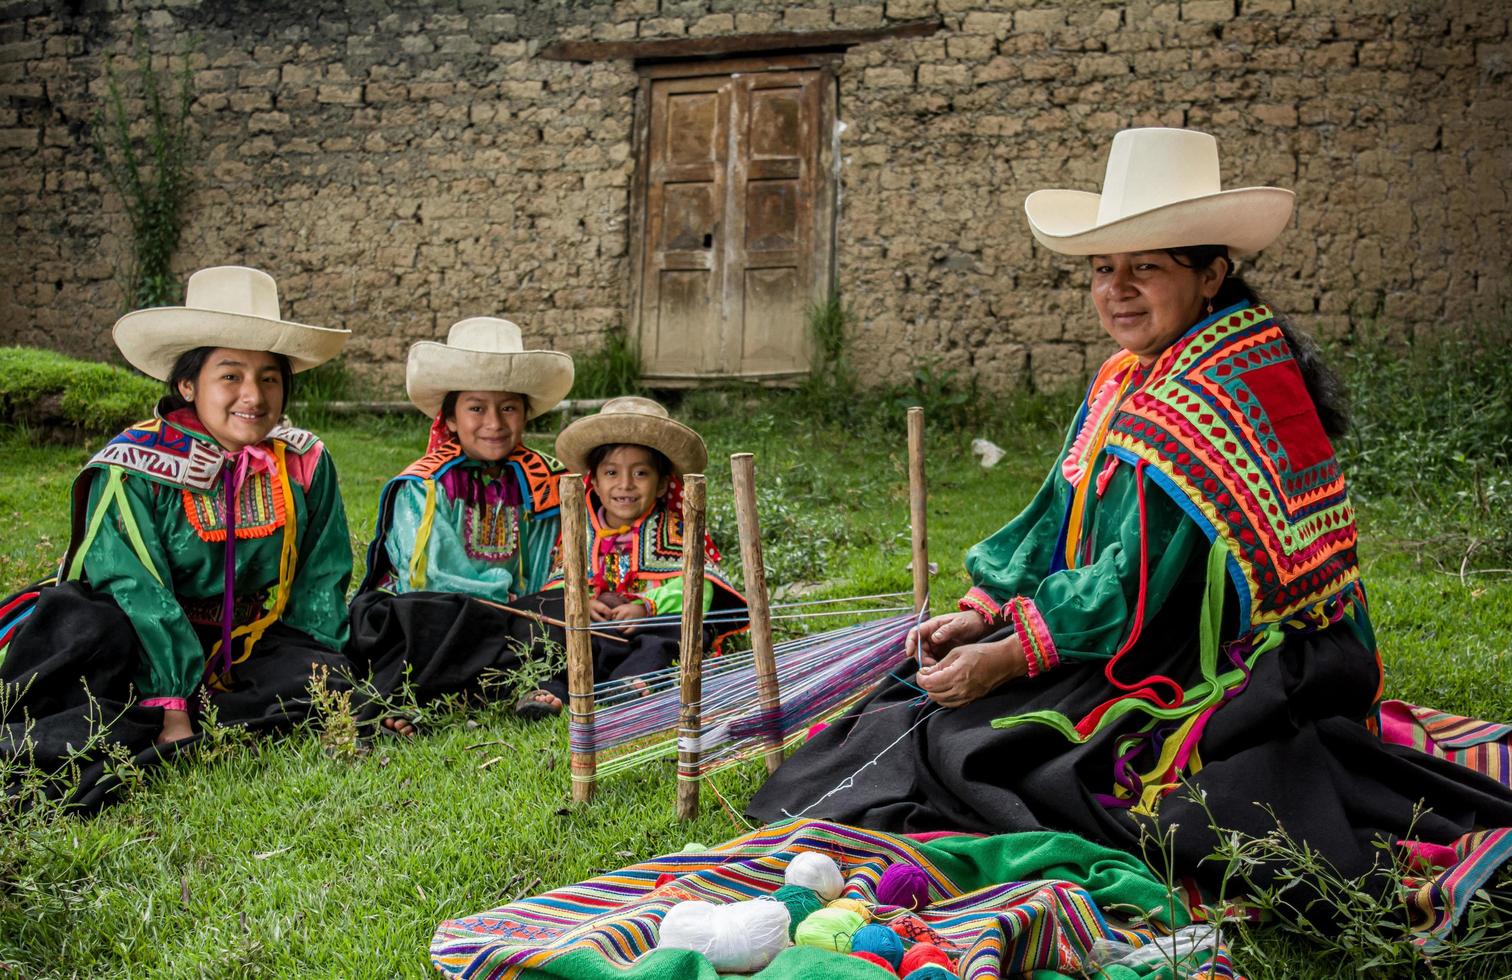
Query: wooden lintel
[728, 44]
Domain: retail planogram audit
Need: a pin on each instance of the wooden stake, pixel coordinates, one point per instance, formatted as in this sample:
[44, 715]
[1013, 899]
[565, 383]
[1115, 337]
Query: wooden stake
[691, 654]
[743, 475]
[916, 498]
[579, 643]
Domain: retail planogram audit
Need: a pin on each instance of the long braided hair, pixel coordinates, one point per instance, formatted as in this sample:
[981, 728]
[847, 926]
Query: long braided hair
[1324, 386]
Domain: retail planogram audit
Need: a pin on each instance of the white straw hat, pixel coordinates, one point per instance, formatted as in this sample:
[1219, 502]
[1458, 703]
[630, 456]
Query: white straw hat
[485, 353]
[224, 306]
[630, 420]
[1160, 190]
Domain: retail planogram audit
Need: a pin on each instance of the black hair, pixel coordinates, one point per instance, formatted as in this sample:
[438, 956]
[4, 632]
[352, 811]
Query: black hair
[1329, 395]
[191, 362]
[449, 404]
[659, 459]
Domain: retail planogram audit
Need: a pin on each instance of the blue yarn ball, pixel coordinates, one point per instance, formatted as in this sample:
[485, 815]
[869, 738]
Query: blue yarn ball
[880, 940]
[931, 972]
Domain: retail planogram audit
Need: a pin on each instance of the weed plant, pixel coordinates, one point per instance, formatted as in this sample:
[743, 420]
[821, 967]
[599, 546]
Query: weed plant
[150, 173]
[611, 369]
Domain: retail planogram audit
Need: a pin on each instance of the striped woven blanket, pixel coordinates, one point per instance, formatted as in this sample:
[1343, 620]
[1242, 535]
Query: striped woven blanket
[1013, 904]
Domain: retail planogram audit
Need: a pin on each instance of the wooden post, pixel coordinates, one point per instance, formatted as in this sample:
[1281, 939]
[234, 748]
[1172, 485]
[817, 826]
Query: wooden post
[743, 475]
[691, 655]
[916, 498]
[579, 643]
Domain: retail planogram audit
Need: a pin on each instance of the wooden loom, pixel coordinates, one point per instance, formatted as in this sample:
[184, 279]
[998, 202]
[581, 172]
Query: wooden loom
[579, 642]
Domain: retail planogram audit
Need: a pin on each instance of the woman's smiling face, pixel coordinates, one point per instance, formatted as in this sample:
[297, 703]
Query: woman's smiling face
[488, 424]
[238, 396]
[1147, 300]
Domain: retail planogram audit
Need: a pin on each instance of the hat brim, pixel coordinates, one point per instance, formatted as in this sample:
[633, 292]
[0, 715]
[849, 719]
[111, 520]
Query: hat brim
[1246, 219]
[435, 369]
[680, 444]
[153, 339]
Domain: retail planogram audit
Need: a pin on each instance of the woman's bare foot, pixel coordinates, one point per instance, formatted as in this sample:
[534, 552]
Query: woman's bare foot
[400, 725]
[176, 727]
[538, 704]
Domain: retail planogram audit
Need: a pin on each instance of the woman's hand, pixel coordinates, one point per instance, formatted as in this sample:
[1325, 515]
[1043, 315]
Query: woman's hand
[175, 726]
[936, 637]
[630, 610]
[971, 670]
[599, 611]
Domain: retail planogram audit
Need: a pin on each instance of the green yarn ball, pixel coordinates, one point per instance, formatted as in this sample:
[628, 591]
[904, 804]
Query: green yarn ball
[829, 929]
[801, 903]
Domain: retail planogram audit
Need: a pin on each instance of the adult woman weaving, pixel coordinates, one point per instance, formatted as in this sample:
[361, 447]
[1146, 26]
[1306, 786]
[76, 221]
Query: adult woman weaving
[1180, 601]
[209, 558]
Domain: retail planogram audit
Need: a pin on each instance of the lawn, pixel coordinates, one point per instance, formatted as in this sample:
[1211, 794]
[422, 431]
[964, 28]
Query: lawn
[284, 860]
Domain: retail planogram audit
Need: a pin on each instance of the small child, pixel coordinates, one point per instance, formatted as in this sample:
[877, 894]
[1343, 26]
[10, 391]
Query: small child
[469, 526]
[633, 456]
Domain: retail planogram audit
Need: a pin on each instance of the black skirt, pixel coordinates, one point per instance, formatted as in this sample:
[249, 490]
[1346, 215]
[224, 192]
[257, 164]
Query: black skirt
[444, 643]
[1293, 741]
[68, 693]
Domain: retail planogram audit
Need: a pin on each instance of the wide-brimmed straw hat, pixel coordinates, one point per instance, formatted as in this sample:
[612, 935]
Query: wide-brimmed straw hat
[1160, 190]
[631, 420]
[485, 353]
[224, 306]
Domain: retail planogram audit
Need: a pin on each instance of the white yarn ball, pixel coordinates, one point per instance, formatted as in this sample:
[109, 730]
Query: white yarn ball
[743, 937]
[816, 872]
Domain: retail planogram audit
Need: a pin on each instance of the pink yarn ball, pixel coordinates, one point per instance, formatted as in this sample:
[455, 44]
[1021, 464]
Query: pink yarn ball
[904, 885]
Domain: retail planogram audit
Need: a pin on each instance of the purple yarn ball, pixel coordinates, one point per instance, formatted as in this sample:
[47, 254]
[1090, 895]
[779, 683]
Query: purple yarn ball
[905, 885]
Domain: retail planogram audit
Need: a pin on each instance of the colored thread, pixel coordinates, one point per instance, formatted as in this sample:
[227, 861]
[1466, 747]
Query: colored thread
[904, 885]
[817, 872]
[931, 971]
[873, 959]
[880, 941]
[925, 954]
[828, 929]
[855, 905]
[800, 902]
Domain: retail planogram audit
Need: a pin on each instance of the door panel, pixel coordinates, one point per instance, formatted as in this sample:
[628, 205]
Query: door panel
[733, 252]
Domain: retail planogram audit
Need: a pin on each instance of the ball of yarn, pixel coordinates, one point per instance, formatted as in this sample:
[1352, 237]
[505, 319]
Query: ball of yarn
[925, 954]
[874, 960]
[879, 940]
[904, 885]
[693, 847]
[800, 902]
[665, 878]
[815, 729]
[828, 929]
[817, 871]
[932, 971]
[855, 905]
[742, 937]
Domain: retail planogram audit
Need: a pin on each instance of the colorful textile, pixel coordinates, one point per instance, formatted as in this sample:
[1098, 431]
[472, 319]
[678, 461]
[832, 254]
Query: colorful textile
[148, 530]
[1436, 904]
[1228, 429]
[446, 524]
[645, 561]
[1005, 905]
[1483, 746]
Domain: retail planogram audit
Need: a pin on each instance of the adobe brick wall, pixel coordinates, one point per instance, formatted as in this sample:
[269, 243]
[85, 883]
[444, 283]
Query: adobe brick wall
[400, 166]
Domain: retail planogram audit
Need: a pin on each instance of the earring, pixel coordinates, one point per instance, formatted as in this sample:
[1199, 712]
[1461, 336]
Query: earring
[1210, 308]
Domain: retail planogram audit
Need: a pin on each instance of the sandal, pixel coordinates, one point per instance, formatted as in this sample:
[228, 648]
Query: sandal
[531, 708]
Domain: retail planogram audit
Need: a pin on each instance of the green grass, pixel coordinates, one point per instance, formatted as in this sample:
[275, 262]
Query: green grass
[283, 860]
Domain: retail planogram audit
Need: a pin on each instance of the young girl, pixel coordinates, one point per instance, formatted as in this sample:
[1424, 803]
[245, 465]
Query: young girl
[209, 558]
[633, 457]
[466, 528]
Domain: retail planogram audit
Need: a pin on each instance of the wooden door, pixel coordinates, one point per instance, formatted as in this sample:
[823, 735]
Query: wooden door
[736, 220]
